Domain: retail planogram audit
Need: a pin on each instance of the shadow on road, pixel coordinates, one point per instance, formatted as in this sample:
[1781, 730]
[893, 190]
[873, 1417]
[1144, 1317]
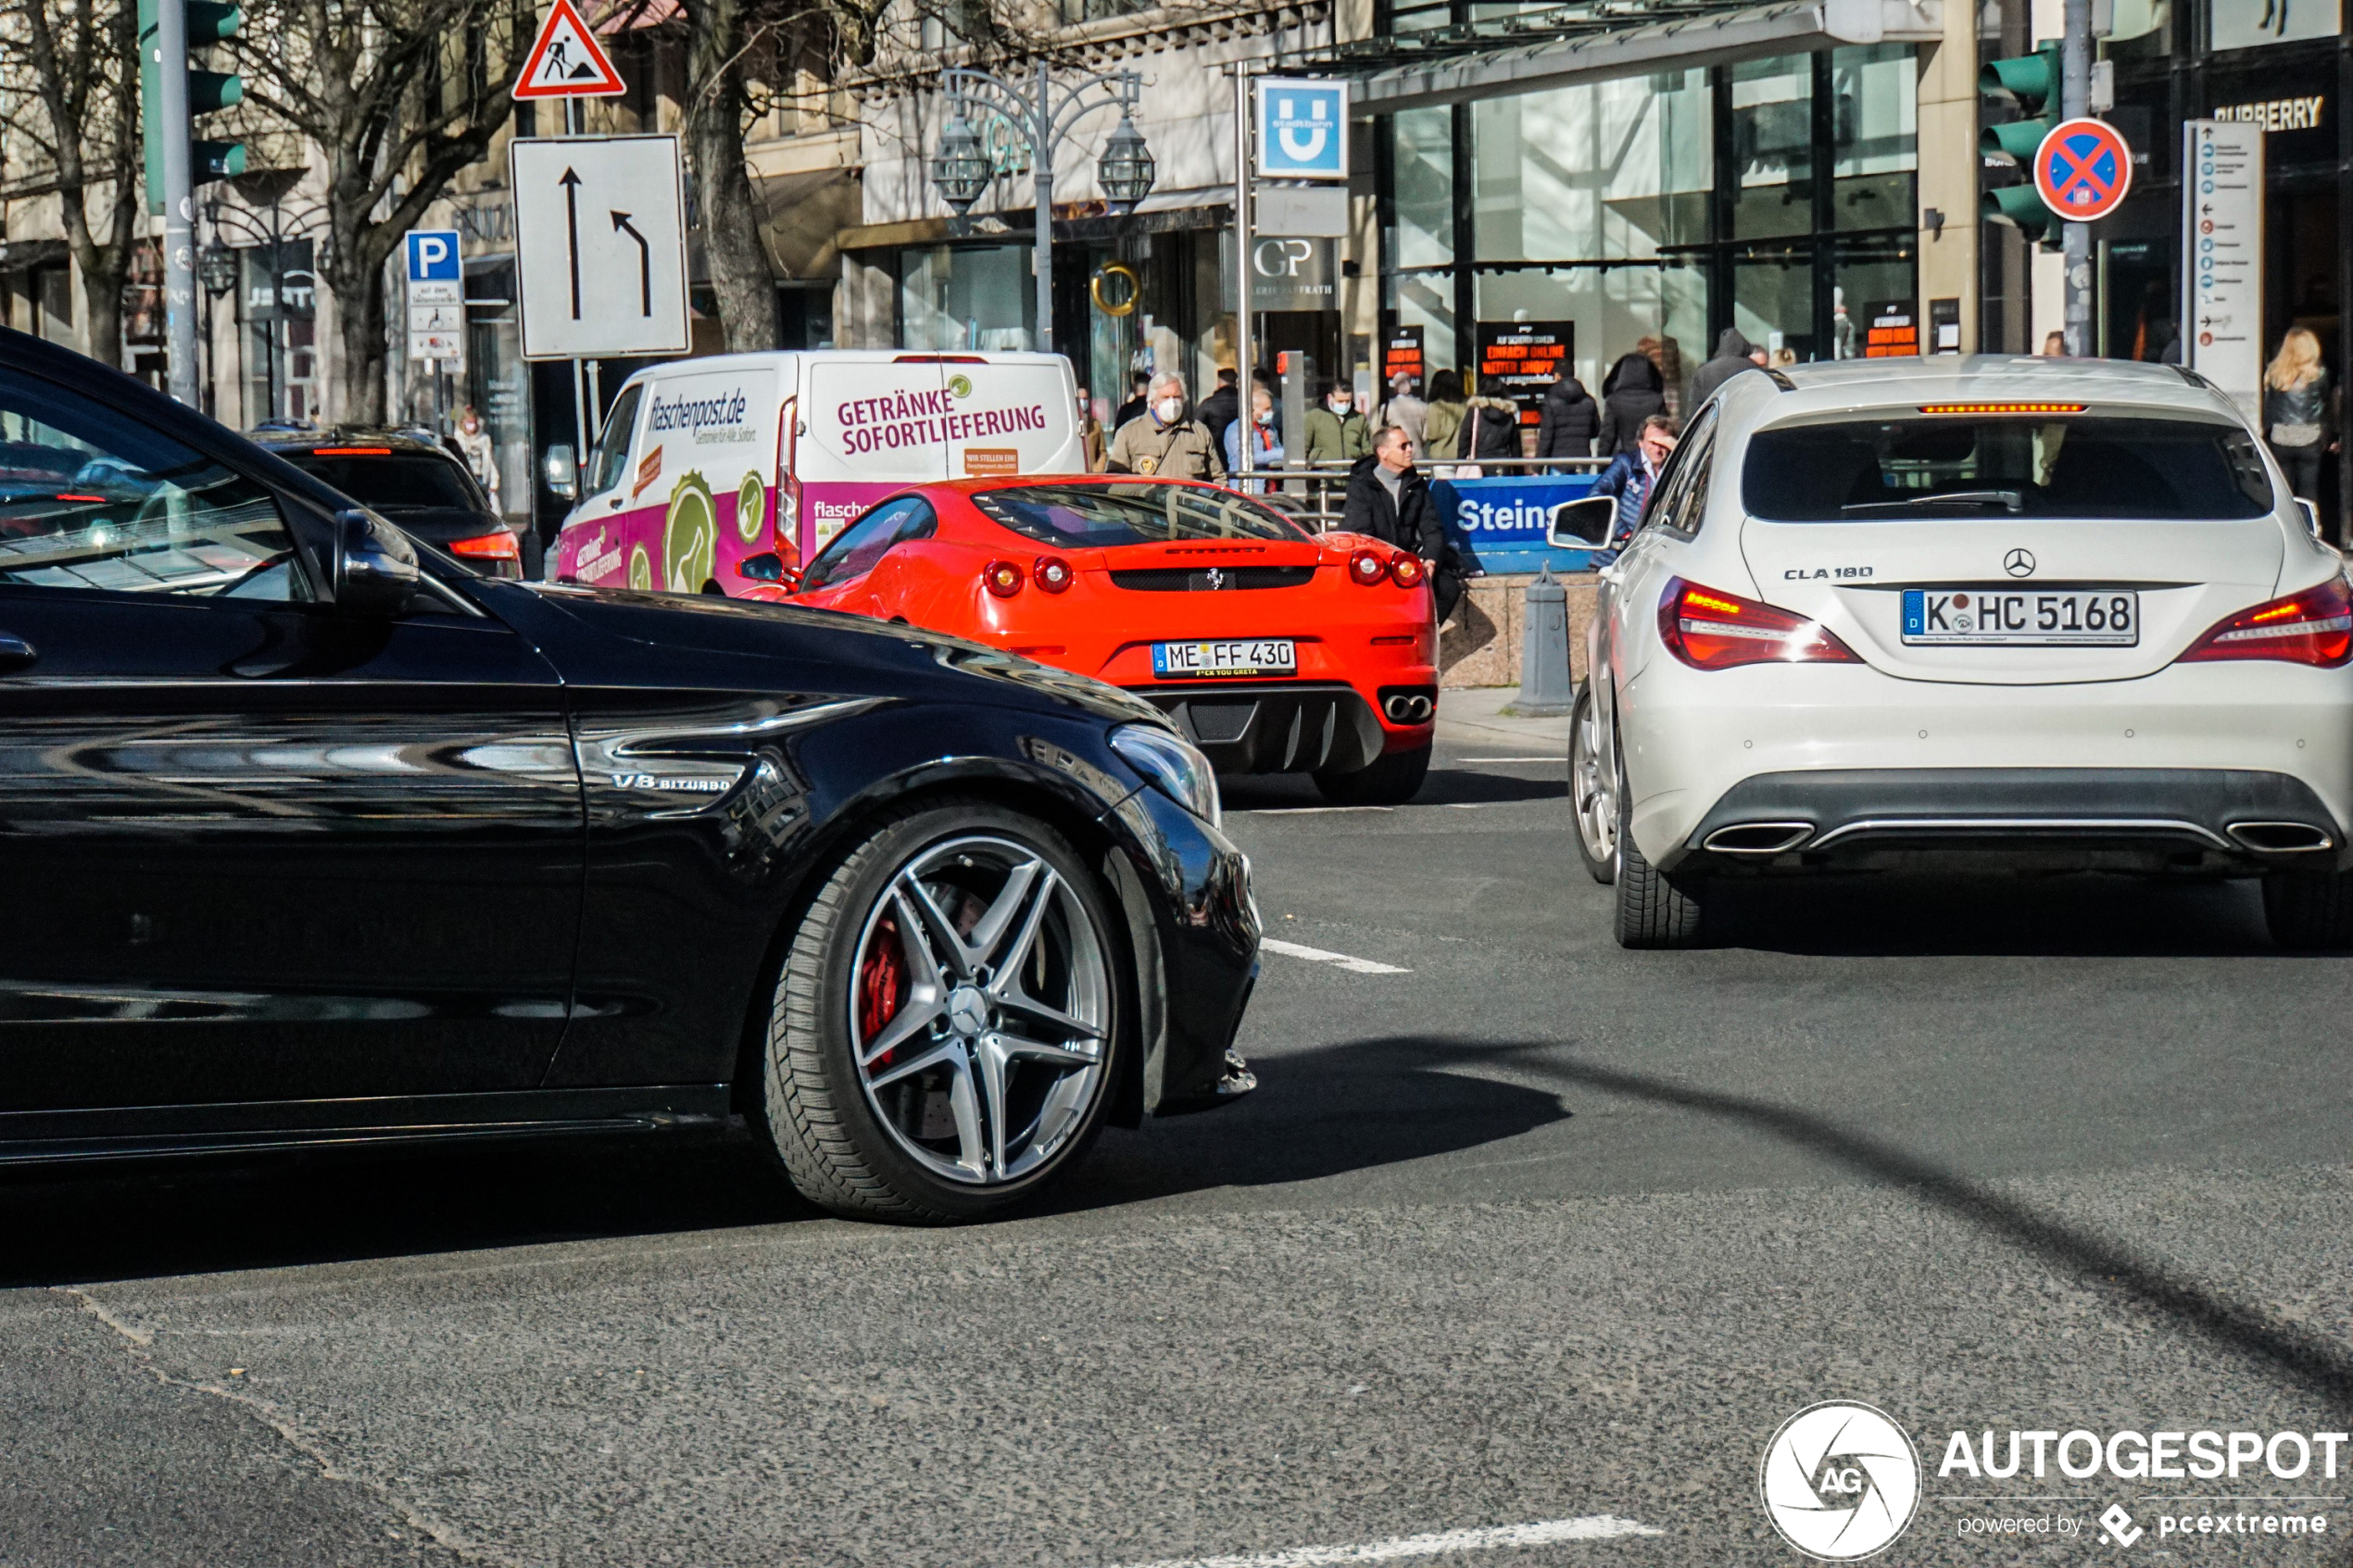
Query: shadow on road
[1276, 793]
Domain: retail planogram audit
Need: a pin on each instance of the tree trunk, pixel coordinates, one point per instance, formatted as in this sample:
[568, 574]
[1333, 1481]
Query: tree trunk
[737, 260]
[360, 324]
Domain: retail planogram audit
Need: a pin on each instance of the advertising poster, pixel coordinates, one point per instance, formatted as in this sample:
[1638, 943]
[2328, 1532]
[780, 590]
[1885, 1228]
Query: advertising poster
[1519, 359]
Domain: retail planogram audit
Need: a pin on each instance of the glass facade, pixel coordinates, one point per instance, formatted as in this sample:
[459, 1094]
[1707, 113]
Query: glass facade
[1666, 207]
[967, 298]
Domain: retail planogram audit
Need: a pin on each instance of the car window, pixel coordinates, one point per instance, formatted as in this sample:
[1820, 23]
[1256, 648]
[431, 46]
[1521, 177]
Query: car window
[393, 482]
[609, 462]
[92, 499]
[1690, 509]
[1078, 516]
[1933, 466]
[854, 551]
[1667, 498]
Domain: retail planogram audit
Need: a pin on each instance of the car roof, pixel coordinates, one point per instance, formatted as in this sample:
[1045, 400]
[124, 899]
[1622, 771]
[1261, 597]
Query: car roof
[1852, 387]
[299, 441]
[1031, 481]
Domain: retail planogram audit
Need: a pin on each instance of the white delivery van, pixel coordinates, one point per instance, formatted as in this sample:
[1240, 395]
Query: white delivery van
[706, 464]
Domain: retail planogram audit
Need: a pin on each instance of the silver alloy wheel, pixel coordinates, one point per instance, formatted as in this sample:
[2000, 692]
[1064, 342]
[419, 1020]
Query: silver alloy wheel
[980, 1009]
[1593, 787]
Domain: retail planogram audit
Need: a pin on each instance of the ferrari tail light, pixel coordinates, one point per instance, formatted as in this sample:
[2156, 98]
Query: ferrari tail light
[1407, 570]
[2311, 627]
[1053, 573]
[497, 546]
[1003, 578]
[1367, 569]
[1709, 629]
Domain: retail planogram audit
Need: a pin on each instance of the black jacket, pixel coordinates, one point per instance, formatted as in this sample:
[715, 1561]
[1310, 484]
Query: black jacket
[1410, 522]
[1217, 410]
[1633, 392]
[1490, 430]
[1732, 353]
[1568, 420]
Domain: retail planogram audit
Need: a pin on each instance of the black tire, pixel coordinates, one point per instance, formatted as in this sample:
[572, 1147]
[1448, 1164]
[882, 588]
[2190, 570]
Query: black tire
[1653, 910]
[1391, 779]
[1593, 784]
[816, 1116]
[2308, 910]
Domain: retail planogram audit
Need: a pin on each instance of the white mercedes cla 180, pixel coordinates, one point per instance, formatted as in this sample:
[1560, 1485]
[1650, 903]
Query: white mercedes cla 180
[2013, 612]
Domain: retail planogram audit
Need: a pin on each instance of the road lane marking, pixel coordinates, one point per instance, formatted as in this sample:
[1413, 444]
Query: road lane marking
[1317, 955]
[1593, 1527]
[1302, 810]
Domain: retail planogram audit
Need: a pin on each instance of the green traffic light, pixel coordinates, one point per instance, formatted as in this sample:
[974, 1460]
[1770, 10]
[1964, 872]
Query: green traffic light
[2033, 79]
[210, 22]
[2017, 140]
[209, 92]
[2022, 206]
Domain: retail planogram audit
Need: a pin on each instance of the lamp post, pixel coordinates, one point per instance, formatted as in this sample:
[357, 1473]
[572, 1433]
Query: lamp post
[1043, 117]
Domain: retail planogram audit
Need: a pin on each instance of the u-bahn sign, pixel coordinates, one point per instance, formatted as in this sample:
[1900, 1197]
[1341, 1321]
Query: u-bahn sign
[2082, 171]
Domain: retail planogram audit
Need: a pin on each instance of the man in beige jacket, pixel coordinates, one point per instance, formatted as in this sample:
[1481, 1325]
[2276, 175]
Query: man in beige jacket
[1165, 440]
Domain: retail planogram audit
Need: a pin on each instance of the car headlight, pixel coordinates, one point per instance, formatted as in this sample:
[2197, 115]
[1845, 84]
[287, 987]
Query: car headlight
[1174, 764]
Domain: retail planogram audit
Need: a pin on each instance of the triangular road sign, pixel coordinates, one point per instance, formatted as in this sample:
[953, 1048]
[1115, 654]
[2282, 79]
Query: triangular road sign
[566, 61]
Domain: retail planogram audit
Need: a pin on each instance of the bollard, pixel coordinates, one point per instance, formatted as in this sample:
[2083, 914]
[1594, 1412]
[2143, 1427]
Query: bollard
[1544, 689]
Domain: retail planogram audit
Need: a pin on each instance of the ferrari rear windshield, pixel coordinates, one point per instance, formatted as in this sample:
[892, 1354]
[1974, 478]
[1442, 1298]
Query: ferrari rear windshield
[1939, 466]
[1078, 516]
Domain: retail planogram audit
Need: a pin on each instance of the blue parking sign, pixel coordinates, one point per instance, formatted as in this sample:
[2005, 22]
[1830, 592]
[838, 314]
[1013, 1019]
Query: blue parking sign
[433, 255]
[1302, 130]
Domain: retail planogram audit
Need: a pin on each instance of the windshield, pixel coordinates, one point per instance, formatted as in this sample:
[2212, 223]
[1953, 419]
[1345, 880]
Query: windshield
[1075, 516]
[397, 482]
[1930, 466]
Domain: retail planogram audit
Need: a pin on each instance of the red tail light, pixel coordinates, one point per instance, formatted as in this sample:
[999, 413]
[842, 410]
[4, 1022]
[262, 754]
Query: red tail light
[501, 545]
[1003, 578]
[1407, 570]
[1708, 629]
[2314, 627]
[1053, 573]
[1368, 568]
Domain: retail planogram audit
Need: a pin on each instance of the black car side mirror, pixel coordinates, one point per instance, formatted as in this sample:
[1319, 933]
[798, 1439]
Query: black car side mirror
[768, 567]
[1580, 524]
[375, 566]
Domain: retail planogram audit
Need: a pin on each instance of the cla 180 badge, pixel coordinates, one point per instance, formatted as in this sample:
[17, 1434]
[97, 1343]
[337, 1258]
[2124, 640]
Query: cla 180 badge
[1841, 1481]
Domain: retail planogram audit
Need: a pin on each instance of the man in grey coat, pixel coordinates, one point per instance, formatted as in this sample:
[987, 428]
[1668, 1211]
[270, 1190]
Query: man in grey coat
[1733, 354]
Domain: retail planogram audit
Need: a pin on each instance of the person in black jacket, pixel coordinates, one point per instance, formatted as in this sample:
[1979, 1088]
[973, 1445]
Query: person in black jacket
[1490, 430]
[1220, 409]
[1567, 420]
[1388, 500]
[1631, 394]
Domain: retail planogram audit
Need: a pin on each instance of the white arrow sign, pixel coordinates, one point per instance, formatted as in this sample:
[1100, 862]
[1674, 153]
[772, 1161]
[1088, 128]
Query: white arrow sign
[600, 245]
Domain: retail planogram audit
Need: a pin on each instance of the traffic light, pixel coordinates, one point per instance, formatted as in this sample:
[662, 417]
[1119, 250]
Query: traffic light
[209, 21]
[2031, 84]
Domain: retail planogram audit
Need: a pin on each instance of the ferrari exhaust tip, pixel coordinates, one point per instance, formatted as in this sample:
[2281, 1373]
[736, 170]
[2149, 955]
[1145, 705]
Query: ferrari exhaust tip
[1409, 708]
[1758, 838]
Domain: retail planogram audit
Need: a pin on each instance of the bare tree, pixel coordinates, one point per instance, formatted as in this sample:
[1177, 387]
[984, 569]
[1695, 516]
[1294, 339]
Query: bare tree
[70, 87]
[397, 97]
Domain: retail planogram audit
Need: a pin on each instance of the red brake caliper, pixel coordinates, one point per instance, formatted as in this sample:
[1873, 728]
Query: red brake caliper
[882, 982]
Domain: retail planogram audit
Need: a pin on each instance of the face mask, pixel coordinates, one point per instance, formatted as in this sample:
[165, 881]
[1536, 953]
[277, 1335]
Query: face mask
[1341, 405]
[1264, 416]
[1169, 409]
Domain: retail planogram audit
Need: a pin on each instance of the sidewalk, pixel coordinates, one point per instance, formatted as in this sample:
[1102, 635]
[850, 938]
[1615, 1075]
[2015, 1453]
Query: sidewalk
[1474, 716]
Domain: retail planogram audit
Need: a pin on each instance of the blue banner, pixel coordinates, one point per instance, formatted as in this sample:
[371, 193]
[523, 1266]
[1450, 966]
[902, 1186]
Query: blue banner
[1499, 524]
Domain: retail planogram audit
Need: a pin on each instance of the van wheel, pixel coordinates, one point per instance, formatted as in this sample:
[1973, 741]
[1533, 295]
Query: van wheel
[1653, 910]
[1391, 779]
[2308, 910]
[945, 1036]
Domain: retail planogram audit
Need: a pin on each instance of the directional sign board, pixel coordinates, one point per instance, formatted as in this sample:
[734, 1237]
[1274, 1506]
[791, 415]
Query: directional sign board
[437, 296]
[2222, 256]
[600, 245]
[1303, 129]
[2082, 171]
[566, 61]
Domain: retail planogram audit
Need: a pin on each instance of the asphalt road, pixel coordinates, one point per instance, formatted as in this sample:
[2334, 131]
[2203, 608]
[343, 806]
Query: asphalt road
[1533, 1231]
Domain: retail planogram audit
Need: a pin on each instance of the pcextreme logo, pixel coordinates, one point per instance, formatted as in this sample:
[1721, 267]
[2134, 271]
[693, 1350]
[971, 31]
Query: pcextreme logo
[1840, 1481]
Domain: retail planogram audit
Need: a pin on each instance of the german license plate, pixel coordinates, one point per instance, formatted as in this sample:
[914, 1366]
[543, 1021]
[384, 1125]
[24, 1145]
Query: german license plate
[1175, 661]
[2006, 618]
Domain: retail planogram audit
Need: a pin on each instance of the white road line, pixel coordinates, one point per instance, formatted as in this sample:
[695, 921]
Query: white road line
[1593, 1527]
[1317, 955]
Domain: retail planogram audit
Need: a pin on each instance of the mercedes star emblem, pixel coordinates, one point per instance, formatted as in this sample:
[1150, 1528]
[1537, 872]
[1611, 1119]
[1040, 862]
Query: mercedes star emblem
[2019, 563]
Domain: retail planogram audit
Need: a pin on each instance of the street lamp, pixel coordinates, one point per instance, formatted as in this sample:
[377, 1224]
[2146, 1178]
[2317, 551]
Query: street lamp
[217, 268]
[1040, 117]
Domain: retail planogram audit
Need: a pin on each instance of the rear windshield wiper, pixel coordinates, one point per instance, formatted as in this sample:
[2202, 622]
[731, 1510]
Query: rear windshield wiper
[2010, 499]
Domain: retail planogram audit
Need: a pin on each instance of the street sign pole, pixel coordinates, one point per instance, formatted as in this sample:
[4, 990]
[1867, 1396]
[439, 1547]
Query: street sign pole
[1243, 280]
[178, 205]
[2075, 102]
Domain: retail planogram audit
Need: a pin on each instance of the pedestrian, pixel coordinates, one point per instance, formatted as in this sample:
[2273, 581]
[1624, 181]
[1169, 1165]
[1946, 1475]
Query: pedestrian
[2054, 345]
[1631, 475]
[1221, 407]
[1389, 500]
[1443, 416]
[1491, 429]
[1336, 431]
[481, 457]
[1165, 440]
[1139, 384]
[2296, 412]
[1633, 392]
[1404, 409]
[1566, 419]
[1265, 441]
[1090, 432]
[1734, 354]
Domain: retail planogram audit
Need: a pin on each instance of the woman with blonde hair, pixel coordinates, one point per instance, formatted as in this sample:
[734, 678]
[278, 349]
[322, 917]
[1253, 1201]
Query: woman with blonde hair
[2296, 415]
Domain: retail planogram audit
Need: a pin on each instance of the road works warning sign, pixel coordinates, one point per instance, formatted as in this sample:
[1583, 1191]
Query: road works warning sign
[567, 62]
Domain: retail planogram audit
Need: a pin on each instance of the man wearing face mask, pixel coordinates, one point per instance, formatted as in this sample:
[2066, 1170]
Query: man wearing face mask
[1335, 430]
[1165, 440]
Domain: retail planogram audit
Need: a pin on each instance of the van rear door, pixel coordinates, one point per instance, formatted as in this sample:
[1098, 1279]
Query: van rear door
[876, 423]
[1012, 413]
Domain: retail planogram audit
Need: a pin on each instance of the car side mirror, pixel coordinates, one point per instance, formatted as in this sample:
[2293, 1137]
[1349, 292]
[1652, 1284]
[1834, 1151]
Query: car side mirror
[560, 468]
[767, 566]
[2311, 516]
[1583, 523]
[375, 566]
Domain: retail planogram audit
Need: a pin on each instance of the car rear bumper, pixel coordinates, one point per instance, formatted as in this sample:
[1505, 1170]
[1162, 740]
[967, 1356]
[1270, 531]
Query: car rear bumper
[1284, 726]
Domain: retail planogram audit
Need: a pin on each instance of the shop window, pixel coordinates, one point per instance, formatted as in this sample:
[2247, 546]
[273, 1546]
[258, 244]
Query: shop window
[1772, 147]
[1423, 160]
[1874, 137]
[1773, 301]
[979, 297]
[1598, 171]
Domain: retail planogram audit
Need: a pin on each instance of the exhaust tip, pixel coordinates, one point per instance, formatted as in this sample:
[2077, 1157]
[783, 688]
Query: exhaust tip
[1758, 838]
[1410, 708]
[2280, 838]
